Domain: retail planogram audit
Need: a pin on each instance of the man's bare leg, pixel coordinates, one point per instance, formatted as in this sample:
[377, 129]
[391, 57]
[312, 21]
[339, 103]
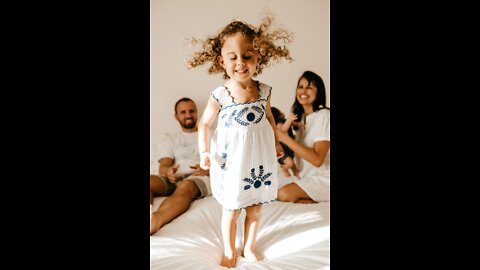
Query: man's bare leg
[229, 231]
[252, 223]
[157, 187]
[175, 205]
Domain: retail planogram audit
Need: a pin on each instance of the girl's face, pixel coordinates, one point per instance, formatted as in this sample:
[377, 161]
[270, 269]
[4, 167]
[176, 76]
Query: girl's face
[306, 93]
[239, 59]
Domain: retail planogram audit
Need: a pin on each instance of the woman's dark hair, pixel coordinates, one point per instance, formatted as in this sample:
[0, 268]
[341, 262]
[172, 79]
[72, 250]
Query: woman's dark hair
[320, 101]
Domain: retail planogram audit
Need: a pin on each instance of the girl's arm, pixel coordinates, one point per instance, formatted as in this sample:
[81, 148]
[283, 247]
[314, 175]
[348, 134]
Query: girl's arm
[204, 131]
[315, 155]
[274, 127]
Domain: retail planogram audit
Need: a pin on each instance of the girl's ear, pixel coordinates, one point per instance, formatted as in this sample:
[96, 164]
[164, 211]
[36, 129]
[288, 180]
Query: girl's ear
[220, 61]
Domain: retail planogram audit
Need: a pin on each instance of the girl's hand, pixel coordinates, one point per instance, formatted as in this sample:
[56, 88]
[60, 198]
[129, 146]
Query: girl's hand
[204, 161]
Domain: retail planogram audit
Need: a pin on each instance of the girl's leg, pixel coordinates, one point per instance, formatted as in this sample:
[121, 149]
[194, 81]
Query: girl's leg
[229, 230]
[252, 222]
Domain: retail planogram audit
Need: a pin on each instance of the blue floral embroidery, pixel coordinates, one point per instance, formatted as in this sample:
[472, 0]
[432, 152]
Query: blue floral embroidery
[257, 181]
[224, 156]
[228, 123]
[244, 117]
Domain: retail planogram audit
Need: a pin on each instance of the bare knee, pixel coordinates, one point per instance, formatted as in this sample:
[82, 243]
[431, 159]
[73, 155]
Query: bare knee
[187, 188]
[157, 187]
[284, 195]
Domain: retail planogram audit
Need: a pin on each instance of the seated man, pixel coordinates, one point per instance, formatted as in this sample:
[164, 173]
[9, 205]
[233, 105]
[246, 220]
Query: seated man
[180, 176]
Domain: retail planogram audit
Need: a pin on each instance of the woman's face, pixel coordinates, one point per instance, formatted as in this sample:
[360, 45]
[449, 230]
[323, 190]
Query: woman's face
[306, 93]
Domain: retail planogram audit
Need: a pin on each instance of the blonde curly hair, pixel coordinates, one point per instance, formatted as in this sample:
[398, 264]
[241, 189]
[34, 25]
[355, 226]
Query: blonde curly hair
[263, 41]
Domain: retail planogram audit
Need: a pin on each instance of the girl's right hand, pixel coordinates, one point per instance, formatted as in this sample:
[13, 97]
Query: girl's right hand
[204, 161]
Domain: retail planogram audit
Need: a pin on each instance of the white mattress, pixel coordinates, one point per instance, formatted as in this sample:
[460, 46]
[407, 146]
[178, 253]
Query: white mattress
[291, 236]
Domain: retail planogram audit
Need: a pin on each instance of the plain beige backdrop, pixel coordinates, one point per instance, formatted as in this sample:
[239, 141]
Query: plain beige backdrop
[174, 20]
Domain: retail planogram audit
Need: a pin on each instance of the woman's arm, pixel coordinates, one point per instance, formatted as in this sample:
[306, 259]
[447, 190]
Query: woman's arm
[204, 129]
[315, 155]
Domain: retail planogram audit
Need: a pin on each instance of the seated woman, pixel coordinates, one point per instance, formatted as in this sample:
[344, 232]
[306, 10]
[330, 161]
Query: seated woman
[311, 144]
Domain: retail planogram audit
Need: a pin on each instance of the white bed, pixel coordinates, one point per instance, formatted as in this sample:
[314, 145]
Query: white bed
[291, 236]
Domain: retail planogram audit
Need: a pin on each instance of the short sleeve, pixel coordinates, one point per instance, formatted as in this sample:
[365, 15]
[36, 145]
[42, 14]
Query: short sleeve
[165, 147]
[321, 122]
[221, 95]
[265, 91]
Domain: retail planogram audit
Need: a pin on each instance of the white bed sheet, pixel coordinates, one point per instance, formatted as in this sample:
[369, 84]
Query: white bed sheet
[291, 236]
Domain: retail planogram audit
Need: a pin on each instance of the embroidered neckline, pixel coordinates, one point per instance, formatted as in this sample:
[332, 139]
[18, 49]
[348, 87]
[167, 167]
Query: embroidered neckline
[245, 102]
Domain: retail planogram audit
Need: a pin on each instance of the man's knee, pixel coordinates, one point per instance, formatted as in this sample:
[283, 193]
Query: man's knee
[156, 184]
[188, 188]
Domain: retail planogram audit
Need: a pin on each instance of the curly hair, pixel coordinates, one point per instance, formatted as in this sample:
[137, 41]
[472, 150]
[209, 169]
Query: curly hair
[263, 41]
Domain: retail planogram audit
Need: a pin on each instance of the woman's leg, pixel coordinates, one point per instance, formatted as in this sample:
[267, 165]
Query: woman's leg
[252, 223]
[229, 230]
[293, 193]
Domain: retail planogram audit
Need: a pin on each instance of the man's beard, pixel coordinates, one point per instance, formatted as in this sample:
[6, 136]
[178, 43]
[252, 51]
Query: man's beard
[190, 125]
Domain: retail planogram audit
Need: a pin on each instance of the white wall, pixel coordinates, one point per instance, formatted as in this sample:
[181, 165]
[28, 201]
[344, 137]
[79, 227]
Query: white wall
[174, 20]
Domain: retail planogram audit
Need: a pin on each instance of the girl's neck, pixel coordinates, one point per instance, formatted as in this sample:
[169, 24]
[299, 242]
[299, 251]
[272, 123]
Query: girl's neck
[235, 85]
[243, 92]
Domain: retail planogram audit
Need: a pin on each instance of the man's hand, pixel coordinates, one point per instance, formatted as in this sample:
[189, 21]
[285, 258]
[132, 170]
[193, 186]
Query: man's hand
[172, 174]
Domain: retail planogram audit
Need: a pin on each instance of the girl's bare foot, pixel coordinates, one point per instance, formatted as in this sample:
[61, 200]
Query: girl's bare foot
[229, 261]
[252, 256]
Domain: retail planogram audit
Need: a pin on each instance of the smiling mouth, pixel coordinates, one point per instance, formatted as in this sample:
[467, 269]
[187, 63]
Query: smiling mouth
[241, 71]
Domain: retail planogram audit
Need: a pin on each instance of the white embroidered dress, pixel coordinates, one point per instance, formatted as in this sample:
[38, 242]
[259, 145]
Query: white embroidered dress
[243, 169]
